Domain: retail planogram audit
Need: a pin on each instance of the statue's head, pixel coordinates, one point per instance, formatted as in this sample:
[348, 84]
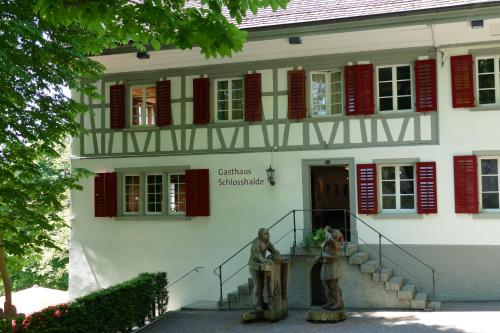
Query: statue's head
[263, 234]
[337, 235]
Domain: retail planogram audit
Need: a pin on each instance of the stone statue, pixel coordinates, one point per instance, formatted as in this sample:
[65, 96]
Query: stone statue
[330, 268]
[261, 268]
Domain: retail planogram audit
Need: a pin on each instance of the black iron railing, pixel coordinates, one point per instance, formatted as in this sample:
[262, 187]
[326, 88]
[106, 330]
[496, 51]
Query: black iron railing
[347, 231]
[184, 276]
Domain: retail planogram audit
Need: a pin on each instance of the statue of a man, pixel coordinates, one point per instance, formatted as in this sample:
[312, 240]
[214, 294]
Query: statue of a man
[260, 268]
[330, 268]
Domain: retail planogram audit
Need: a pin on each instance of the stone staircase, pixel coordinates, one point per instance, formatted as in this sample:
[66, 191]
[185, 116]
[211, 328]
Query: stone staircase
[382, 277]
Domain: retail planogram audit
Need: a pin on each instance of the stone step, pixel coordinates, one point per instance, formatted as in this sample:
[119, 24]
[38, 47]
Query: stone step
[370, 266]
[250, 282]
[359, 258]
[433, 306]
[246, 300]
[407, 292]
[395, 283]
[244, 289]
[419, 302]
[384, 276]
[350, 249]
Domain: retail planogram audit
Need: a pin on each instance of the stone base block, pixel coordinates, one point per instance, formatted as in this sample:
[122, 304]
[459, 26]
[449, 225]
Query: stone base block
[326, 316]
[252, 316]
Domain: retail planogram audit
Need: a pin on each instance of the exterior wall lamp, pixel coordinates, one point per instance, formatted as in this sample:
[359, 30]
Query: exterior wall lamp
[270, 175]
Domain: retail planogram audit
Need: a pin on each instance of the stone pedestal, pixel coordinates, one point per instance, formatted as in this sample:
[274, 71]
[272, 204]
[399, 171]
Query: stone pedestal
[277, 309]
[326, 316]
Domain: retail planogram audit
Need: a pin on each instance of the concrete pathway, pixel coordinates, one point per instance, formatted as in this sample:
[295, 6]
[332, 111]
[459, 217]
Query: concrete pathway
[480, 317]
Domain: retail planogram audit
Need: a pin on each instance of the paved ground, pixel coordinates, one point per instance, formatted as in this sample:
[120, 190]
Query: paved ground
[481, 317]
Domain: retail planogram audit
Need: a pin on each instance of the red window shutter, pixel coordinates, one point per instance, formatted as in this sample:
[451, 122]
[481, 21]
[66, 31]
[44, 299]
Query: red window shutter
[466, 188]
[201, 101]
[197, 192]
[367, 188]
[426, 188]
[359, 89]
[297, 94]
[117, 106]
[462, 81]
[163, 104]
[253, 97]
[425, 85]
[105, 196]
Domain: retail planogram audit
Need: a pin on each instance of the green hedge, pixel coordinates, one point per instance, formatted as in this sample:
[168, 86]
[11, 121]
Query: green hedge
[119, 308]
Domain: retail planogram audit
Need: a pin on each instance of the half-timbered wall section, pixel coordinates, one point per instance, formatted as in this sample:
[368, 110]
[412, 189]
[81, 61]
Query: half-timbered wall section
[276, 130]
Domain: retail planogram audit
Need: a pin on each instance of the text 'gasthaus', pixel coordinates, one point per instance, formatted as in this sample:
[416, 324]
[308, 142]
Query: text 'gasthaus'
[240, 181]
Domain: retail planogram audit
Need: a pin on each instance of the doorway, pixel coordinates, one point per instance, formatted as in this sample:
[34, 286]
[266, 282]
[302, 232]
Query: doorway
[330, 190]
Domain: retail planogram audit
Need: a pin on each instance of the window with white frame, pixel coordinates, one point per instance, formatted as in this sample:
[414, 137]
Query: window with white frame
[326, 93]
[489, 174]
[143, 104]
[177, 193]
[229, 99]
[397, 188]
[488, 80]
[395, 90]
[154, 195]
[132, 192]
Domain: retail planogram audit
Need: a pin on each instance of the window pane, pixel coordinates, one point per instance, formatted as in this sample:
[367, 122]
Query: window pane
[336, 98]
[222, 105]
[319, 78]
[222, 115]
[336, 109]
[237, 84]
[407, 202]
[385, 89]
[388, 172]
[403, 72]
[404, 103]
[222, 85]
[388, 202]
[486, 66]
[136, 106]
[385, 74]
[132, 193]
[489, 183]
[486, 96]
[237, 114]
[237, 104]
[177, 194]
[490, 200]
[222, 95]
[489, 167]
[406, 172]
[404, 88]
[155, 193]
[336, 76]
[385, 104]
[406, 187]
[388, 187]
[486, 81]
[238, 94]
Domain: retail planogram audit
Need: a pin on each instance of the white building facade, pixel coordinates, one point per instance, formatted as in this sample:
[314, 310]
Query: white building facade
[391, 116]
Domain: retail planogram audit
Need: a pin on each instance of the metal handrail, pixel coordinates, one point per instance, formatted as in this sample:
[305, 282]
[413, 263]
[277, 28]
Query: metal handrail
[185, 275]
[218, 269]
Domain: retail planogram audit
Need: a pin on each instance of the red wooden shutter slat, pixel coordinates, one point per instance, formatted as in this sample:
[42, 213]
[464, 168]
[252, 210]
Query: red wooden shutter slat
[462, 81]
[297, 94]
[359, 89]
[466, 187]
[367, 188]
[163, 104]
[197, 192]
[201, 101]
[426, 188]
[253, 97]
[117, 106]
[425, 85]
[105, 196]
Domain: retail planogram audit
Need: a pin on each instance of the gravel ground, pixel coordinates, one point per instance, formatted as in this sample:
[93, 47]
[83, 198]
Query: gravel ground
[453, 318]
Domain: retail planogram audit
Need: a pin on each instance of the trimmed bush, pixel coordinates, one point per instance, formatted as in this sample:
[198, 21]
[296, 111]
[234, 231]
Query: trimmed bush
[119, 308]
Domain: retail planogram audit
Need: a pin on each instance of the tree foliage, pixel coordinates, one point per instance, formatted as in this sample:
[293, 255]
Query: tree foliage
[44, 46]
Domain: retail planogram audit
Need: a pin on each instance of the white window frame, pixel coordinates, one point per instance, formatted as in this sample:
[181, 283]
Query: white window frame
[144, 115]
[480, 183]
[395, 89]
[397, 189]
[328, 82]
[169, 202]
[230, 100]
[124, 194]
[146, 193]
[496, 74]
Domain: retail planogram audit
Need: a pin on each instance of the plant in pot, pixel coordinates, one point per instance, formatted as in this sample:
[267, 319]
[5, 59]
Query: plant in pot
[315, 239]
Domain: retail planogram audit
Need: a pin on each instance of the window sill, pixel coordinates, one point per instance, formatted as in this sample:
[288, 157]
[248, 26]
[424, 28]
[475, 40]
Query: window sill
[383, 216]
[485, 108]
[487, 215]
[153, 218]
